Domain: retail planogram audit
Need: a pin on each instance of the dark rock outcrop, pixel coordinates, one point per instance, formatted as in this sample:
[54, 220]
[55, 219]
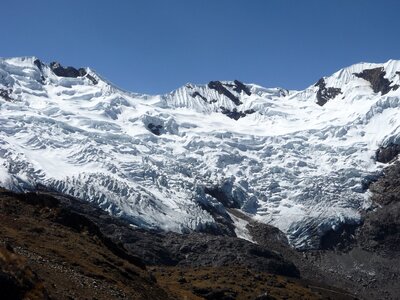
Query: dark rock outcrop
[88, 76]
[387, 153]
[325, 94]
[224, 198]
[224, 224]
[61, 71]
[39, 64]
[377, 79]
[197, 94]
[386, 189]
[381, 228]
[239, 87]
[235, 114]
[6, 94]
[71, 72]
[155, 129]
[340, 238]
[219, 87]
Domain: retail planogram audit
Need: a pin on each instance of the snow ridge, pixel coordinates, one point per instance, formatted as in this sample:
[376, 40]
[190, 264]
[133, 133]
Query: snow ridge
[274, 154]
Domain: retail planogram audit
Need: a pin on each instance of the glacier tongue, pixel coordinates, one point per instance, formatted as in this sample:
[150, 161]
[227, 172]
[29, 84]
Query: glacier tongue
[175, 161]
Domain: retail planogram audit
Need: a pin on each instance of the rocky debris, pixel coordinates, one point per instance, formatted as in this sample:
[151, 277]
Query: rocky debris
[215, 294]
[234, 283]
[339, 238]
[219, 87]
[377, 79]
[264, 296]
[199, 249]
[267, 235]
[6, 94]
[17, 280]
[155, 129]
[386, 154]
[325, 94]
[235, 114]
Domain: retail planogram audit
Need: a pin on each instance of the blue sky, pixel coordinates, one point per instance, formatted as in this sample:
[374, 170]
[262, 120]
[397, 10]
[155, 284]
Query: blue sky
[155, 46]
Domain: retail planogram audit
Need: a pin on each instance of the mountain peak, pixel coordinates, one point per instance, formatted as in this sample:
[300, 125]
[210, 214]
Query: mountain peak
[178, 161]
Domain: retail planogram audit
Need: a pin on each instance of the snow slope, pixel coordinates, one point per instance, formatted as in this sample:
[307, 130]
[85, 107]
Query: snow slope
[176, 161]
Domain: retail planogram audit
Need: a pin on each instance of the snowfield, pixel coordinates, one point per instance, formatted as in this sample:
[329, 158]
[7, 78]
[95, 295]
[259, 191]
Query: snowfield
[176, 161]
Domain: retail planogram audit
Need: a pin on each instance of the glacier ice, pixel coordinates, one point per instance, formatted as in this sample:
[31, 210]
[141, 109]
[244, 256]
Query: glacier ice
[292, 163]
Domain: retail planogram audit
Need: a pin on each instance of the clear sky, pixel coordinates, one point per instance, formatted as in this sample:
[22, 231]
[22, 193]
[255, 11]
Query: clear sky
[155, 46]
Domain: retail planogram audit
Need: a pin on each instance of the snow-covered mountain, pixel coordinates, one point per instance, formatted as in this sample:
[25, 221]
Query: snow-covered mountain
[298, 160]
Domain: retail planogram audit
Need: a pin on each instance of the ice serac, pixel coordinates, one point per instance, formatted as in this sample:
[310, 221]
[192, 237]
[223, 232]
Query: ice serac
[179, 161]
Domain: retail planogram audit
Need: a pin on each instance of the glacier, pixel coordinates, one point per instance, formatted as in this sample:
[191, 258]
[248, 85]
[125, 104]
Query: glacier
[180, 161]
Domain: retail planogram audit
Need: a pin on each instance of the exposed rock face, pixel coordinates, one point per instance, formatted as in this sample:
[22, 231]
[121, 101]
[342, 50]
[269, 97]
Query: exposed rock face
[88, 76]
[224, 223]
[197, 94]
[377, 79]
[388, 153]
[38, 63]
[219, 87]
[61, 71]
[381, 228]
[386, 190]
[241, 87]
[339, 239]
[222, 196]
[235, 114]
[5, 94]
[155, 129]
[325, 94]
